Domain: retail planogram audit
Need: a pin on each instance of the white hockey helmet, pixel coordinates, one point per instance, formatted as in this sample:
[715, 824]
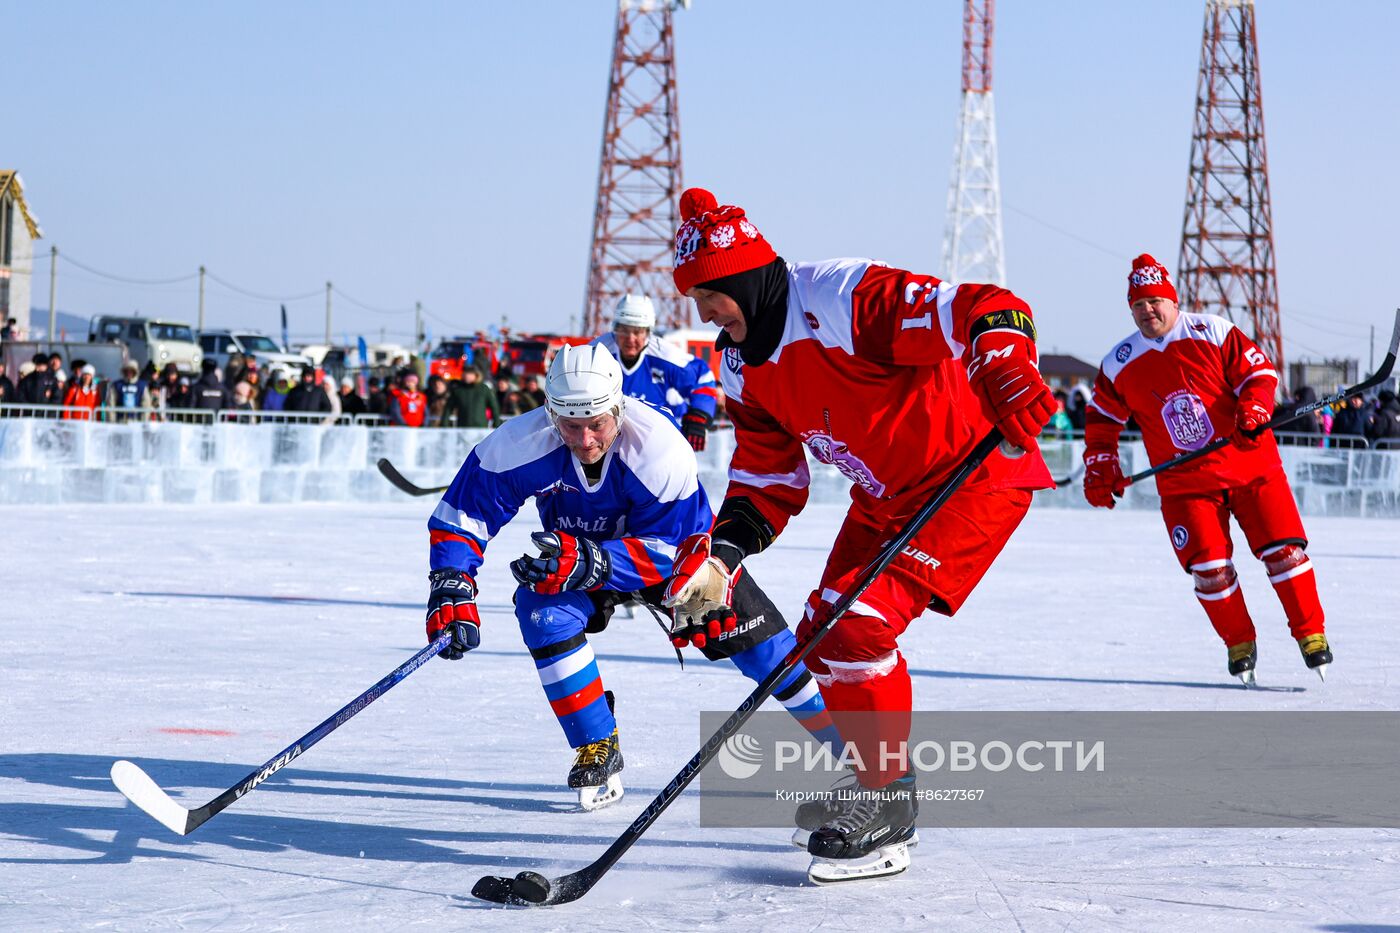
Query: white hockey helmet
[583, 382]
[635, 311]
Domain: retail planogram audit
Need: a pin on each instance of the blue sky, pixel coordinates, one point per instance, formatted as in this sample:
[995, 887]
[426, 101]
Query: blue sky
[448, 152]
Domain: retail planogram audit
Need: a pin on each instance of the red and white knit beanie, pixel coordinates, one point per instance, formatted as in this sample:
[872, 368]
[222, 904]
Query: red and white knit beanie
[715, 241]
[1149, 280]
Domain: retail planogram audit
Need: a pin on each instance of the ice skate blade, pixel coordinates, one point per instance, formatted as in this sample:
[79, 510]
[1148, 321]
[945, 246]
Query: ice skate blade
[1322, 671]
[1247, 679]
[800, 837]
[885, 861]
[596, 798]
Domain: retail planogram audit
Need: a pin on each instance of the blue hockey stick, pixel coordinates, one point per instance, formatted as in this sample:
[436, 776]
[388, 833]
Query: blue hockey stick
[146, 794]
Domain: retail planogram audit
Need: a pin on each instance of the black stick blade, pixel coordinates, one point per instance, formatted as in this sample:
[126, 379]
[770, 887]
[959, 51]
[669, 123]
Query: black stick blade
[496, 889]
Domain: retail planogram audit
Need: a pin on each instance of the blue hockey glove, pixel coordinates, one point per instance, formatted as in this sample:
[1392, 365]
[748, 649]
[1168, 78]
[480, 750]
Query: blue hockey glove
[452, 608]
[565, 563]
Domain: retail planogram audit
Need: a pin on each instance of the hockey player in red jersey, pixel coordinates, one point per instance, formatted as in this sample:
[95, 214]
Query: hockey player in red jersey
[1187, 379]
[892, 377]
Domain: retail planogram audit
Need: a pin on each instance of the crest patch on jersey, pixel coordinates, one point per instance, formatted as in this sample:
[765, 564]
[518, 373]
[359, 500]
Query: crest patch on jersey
[557, 486]
[1187, 421]
[733, 360]
[812, 321]
[828, 449]
[1123, 352]
[1180, 536]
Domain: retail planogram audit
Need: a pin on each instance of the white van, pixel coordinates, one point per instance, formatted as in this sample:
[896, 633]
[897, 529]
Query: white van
[218, 344]
[150, 340]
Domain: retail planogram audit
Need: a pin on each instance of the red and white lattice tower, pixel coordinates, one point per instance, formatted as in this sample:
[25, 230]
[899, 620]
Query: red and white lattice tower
[639, 177]
[1226, 265]
[972, 241]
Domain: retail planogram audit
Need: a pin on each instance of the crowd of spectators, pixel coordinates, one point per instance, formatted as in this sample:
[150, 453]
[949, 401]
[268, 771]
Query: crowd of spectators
[242, 388]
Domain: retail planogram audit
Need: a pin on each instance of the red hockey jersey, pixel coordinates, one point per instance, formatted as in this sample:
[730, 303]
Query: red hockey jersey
[870, 375]
[1182, 390]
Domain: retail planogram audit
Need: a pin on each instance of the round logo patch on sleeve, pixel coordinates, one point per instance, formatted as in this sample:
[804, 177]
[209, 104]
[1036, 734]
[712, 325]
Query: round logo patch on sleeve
[1180, 536]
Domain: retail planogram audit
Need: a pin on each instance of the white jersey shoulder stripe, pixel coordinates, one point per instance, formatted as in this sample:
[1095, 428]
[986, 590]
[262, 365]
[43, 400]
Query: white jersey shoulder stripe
[657, 454]
[521, 440]
[799, 478]
[819, 305]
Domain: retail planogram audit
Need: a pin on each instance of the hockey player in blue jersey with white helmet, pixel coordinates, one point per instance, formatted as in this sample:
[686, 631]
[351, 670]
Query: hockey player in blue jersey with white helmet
[658, 373]
[617, 491]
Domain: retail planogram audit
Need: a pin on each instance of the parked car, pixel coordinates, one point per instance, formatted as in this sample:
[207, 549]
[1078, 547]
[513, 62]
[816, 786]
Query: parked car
[452, 354]
[218, 344]
[150, 340]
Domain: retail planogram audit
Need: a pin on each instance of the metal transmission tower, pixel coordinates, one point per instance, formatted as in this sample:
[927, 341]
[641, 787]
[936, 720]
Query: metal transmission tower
[639, 177]
[972, 242]
[1227, 238]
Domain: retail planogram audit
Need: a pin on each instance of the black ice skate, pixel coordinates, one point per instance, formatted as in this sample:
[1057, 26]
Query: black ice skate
[866, 839]
[1242, 659]
[1316, 653]
[811, 815]
[595, 773]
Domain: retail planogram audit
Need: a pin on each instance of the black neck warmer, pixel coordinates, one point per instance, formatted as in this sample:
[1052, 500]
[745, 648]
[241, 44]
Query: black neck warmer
[762, 296]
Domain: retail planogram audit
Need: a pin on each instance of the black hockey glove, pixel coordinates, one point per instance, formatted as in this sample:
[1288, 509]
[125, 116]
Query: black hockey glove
[694, 425]
[452, 608]
[565, 563]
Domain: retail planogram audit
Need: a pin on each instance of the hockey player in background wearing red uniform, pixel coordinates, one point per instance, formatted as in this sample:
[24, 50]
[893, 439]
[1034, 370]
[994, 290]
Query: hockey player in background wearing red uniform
[1187, 379]
[892, 377]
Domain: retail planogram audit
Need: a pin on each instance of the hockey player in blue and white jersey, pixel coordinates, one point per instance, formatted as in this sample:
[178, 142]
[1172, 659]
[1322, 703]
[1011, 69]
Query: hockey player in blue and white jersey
[658, 373]
[617, 491]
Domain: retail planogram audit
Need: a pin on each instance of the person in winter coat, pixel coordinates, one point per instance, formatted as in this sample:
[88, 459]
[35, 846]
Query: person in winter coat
[7, 388]
[1384, 429]
[82, 397]
[308, 396]
[129, 394]
[471, 403]
[39, 387]
[1349, 424]
[407, 406]
[275, 395]
[350, 401]
[209, 392]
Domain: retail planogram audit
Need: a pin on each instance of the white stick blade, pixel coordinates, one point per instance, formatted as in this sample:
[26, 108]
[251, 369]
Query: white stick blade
[138, 787]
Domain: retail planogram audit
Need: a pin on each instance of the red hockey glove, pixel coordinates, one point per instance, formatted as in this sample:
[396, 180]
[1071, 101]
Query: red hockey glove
[565, 563]
[1250, 416]
[1013, 395]
[1103, 478]
[700, 593]
[452, 607]
[694, 426]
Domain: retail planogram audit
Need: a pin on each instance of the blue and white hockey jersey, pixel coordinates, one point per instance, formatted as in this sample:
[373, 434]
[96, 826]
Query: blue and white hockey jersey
[667, 377]
[647, 501]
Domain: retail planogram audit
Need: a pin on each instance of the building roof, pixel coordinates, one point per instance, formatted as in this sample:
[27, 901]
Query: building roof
[10, 184]
[1065, 365]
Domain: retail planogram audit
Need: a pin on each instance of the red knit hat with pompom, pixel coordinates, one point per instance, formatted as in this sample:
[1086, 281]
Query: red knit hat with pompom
[715, 241]
[1149, 280]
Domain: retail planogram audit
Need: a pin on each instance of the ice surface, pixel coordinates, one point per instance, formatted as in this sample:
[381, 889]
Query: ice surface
[124, 625]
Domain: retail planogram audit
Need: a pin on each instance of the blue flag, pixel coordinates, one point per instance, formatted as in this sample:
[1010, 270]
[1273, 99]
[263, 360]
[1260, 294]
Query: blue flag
[286, 344]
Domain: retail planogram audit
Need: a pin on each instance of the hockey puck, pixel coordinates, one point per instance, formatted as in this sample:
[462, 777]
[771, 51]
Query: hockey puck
[531, 886]
[493, 888]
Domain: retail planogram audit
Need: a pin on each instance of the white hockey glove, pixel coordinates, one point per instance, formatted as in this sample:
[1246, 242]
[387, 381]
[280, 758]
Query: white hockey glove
[700, 593]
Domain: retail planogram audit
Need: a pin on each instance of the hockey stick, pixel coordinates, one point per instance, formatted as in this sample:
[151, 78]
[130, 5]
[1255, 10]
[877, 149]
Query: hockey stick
[1073, 475]
[1375, 379]
[530, 887]
[402, 482]
[146, 794]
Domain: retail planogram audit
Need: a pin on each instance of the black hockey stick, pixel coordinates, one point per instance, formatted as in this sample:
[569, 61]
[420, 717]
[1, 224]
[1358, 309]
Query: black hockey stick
[402, 482]
[529, 887]
[1278, 421]
[1073, 475]
[146, 794]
